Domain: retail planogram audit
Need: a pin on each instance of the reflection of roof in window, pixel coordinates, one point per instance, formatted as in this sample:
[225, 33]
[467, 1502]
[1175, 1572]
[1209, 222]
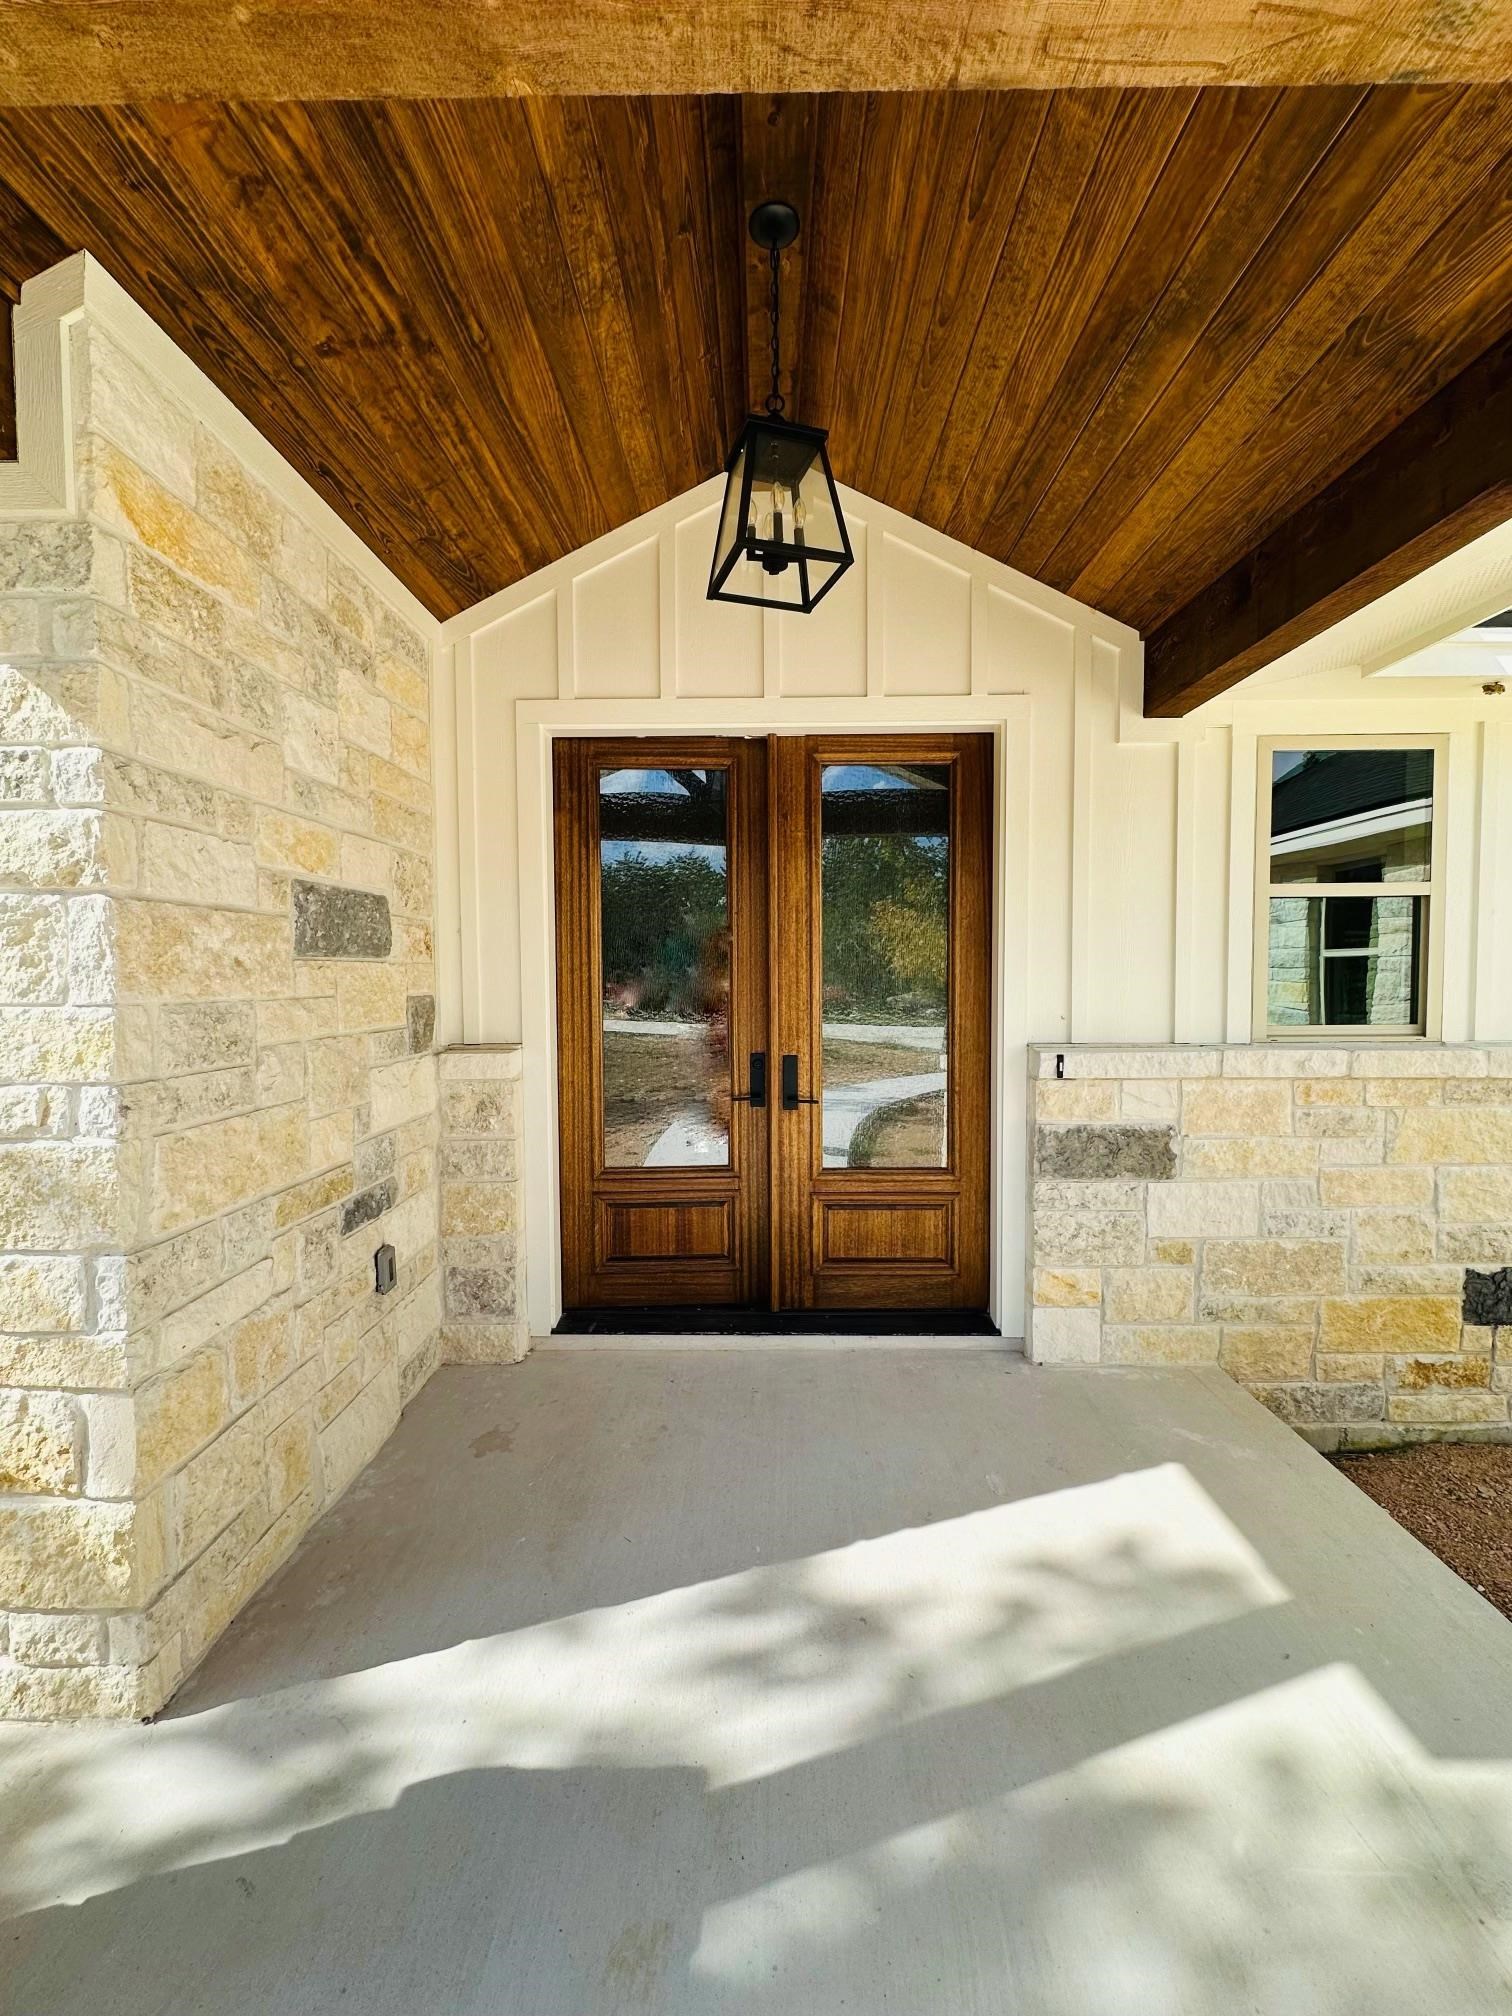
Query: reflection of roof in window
[1338, 783]
[686, 806]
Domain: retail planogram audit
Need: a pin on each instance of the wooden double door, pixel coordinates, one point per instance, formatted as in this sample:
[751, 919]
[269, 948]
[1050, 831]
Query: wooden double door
[773, 1019]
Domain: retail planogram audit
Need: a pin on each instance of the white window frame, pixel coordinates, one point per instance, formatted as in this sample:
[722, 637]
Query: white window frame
[1431, 891]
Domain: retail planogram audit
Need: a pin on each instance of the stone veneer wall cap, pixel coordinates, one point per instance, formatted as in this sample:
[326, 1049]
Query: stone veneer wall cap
[1108, 1061]
[1320, 1056]
[463, 1061]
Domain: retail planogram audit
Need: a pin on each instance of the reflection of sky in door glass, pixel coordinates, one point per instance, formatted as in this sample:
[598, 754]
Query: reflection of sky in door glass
[665, 952]
[884, 948]
[858, 777]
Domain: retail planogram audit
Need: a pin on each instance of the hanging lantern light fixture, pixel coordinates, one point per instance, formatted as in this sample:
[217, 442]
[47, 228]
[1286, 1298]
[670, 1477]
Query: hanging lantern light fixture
[782, 542]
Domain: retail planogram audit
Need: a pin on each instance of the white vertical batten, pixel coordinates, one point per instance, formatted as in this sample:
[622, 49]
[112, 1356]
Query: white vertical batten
[446, 778]
[1080, 814]
[1493, 922]
[1460, 802]
[1184, 976]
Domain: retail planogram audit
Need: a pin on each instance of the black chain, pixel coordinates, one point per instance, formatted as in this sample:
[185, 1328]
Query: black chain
[775, 401]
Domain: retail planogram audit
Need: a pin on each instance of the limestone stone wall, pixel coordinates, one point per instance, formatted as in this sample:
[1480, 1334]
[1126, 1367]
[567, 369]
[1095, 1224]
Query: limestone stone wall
[482, 1226]
[1331, 1224]
[217, 1082]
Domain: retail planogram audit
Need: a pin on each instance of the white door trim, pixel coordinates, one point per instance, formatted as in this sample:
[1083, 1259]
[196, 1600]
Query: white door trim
[538, 724]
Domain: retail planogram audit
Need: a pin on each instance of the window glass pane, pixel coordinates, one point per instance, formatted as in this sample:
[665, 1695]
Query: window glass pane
[664, 919]
[1351, 815]
[1349, 923]
[1346, 961]
[885, 937]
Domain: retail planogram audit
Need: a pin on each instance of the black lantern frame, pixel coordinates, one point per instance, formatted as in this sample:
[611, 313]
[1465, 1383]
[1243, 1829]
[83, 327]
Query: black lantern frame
[782, 541]
[778, 483]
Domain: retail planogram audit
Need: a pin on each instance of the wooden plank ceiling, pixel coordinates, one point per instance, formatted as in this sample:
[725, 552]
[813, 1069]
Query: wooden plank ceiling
[1115, 338]
[74, 52]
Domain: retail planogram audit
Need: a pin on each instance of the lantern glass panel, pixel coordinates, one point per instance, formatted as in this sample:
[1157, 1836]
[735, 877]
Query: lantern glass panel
[819, 510]
[782, 540]
[731, 530]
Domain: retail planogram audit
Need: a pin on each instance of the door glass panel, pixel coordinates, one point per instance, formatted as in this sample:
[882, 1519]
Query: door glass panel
[665, 930]
[1351, 815]
[885, 921]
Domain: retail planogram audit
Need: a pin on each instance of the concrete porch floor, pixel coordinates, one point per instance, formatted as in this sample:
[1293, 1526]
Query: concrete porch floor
[799, 1681]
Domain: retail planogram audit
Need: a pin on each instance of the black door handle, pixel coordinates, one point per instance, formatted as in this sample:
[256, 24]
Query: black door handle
[792, 1099]
[756, 1096]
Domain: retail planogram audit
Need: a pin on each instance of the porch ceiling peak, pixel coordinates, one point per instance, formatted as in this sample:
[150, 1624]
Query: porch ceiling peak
[867, 512]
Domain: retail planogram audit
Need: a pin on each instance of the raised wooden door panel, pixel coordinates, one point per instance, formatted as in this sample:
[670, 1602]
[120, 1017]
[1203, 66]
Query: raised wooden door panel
[881, 883]
[661, 1003]
[888, 1232]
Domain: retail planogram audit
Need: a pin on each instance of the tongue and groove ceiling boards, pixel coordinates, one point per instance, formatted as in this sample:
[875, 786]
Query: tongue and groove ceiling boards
[1215, 360]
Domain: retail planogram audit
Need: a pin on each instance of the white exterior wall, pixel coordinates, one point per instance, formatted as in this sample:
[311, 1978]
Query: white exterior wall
[1125, 848]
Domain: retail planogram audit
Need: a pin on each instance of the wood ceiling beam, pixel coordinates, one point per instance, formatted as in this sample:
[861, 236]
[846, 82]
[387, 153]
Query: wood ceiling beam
[1440, 478]
[77, 52]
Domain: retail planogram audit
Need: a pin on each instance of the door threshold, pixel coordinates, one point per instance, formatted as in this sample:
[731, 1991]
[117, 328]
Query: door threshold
[970, 1326]
[670, 1344]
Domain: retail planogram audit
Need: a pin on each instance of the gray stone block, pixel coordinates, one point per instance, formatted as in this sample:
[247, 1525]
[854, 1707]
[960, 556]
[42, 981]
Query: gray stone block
[1089, 1153]
[47, 556]
[480, 1291]
[373, 1159]
[1488, 1297]
[416, 1369]
[335, 923]
[367, 1205]
[420, 1020]
[1321, 1401]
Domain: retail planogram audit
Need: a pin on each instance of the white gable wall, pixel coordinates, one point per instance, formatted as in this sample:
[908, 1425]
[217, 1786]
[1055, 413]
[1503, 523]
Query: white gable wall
[1125, 848]
[621, 638]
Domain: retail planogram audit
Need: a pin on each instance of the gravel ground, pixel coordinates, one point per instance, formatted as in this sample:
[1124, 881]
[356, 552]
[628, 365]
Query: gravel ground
[1454, 1497]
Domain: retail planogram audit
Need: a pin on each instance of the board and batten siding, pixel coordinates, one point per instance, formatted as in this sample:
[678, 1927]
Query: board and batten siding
[1124, 848]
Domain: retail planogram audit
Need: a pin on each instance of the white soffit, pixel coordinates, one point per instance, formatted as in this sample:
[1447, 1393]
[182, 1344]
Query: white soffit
[1416, 630]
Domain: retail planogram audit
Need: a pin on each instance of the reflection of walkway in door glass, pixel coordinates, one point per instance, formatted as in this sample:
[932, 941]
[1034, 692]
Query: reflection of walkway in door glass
[649, 1120]
[884, 1096]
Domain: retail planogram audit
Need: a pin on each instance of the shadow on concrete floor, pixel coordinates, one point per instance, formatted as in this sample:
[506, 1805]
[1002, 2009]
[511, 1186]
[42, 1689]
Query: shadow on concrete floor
[803, 1681]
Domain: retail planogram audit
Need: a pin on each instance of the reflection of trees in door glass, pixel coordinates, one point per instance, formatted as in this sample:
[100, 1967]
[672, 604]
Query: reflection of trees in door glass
[665, 958]
[885, 963]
